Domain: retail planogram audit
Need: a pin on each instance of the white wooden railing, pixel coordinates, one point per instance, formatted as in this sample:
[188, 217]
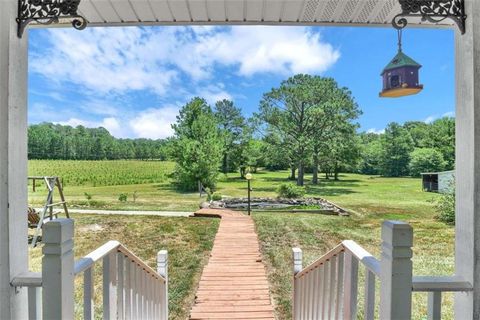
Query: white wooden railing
[328, 288]
[131, 289]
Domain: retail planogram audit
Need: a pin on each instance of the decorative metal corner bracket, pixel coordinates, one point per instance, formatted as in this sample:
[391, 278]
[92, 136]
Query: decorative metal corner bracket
[48, 12]
[434, 11]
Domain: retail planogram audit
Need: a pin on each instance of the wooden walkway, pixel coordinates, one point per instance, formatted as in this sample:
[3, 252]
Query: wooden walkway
[234, 283]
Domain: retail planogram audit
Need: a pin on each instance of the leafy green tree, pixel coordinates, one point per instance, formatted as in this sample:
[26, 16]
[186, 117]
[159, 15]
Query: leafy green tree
[334, 140]
[233, 132]
[343, 151]
[198, 146]
[396, 147]
[303, 109]
[426, 160]
[442, 137]
[371, 153]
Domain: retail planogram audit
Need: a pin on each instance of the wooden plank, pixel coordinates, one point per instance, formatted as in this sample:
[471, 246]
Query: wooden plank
[234, 283]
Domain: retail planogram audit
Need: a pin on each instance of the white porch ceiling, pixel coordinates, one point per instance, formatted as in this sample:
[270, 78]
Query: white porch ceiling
[237, 12]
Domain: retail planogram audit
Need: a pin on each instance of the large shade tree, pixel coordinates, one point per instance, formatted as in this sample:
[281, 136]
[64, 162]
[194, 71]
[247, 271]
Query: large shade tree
[198, 146]
[305, 110]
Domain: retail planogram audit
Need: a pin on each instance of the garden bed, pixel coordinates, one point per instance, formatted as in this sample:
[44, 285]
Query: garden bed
[306, 205]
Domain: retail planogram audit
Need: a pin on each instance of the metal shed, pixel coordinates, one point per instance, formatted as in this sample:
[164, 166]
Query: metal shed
[440, 182]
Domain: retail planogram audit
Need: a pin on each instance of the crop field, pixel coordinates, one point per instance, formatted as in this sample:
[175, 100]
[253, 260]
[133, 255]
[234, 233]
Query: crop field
[102, 173]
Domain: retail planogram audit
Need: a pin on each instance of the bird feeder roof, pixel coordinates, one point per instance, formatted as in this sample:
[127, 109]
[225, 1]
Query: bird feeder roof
[401, 60]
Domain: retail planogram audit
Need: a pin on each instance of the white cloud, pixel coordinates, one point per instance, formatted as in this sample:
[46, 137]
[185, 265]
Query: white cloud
[213, 93]
[119, 59]
[103, 60]
[374, 130]
[154, 123]
[434, 117]
[260, 49]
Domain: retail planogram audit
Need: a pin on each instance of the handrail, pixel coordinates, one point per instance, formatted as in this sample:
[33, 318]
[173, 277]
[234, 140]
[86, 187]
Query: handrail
[368, 260]
[27, 279]
[440, 283]
[338, 249]
[90, 259]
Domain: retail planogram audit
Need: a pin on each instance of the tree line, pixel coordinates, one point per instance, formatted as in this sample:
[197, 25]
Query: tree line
[409, 149]
[55, 141]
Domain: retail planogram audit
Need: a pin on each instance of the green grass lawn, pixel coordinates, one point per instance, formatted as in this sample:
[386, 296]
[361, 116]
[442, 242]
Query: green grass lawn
[370, 199]
[187, 240]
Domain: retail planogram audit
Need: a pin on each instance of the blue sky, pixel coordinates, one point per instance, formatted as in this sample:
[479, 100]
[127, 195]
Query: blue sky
[133, 81]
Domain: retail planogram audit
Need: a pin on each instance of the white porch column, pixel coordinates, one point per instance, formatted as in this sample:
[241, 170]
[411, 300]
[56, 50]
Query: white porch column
[467, 235]
[13, 162]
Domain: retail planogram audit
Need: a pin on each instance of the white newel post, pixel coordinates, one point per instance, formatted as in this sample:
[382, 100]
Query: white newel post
[162, 269]
[13, 163]
[467, 225]
[396, 271]
[297, 257]
[57, 270]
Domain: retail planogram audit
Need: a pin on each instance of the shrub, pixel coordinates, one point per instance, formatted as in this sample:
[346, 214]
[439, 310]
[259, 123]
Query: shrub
[216, 196]
[122, 197]
[213, 196]
[445, 206]
[288, 190]
[88, 196]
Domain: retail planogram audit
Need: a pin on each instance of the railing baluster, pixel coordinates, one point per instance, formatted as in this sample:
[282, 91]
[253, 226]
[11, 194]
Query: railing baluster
[369, 308]
[162, 305]
[143, 296]
[134, 286]
[309, 297]
[316, 282]
[34, 303]
[128, 288]
[340, 290]
[88, 294]
[150, 296]
[301, 298]
[139, 293]
[326, 288]
[146, 298]
[109, 286]
[350, 286]
[435, 305]
[120, 286]
[333, 288]
[318, 295]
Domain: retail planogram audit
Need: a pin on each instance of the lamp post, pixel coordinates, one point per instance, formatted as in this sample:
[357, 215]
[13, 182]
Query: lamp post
[248, 176]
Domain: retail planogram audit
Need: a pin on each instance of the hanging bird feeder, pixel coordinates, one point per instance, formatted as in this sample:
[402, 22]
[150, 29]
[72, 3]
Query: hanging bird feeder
[400, 76]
